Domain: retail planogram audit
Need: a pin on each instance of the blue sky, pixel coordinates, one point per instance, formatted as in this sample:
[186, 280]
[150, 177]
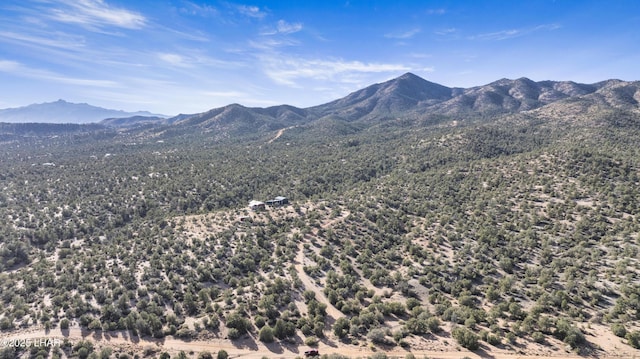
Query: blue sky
[179, 56]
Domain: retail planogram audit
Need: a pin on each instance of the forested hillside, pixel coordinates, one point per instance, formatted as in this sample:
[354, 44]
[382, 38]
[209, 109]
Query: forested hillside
[518, 233]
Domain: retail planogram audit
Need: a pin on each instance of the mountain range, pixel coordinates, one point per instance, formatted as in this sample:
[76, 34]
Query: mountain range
[411, 98]
[408, 97]
[64, 112]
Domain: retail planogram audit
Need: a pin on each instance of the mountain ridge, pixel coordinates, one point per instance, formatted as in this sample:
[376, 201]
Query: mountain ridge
[405, 97]
[410, 97]
[61, 111]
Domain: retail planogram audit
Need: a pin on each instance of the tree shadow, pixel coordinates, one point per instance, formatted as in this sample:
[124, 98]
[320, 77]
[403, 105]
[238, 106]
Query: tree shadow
[97, 335]
[329, 320]
[292, 344]
[245, 342]
[328, 342]
[274, 347]
[589, 350]
[482, 351]
[130, 336]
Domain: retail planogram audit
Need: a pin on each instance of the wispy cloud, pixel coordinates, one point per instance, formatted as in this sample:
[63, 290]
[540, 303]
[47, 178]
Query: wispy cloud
[9, 66]
[224, 97]
[55, 40]
[18, 69]
[282, 27]
[271, 43]
[498, 35]
[174, 59]
[191, 8]
[288, 28]
[446, 32]
[196, 60]
[417, 55]
[287, 70]
[226, 94]
[403, 34]
[513, 33]
[251, 11]
[95, 14]
[439, 11]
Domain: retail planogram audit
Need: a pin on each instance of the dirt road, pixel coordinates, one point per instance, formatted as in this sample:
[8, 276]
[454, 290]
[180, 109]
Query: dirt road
[251, 348]
[309, 284]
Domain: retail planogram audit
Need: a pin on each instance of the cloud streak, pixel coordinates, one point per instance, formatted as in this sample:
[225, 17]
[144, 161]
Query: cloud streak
[53, 40]
[436, 11]
[193, 9]
[173, 59]
[403, 35]
[282, 27]
[513, 33]
[251, 11]
[288, 28]
[287, 71]
[95, 14]
[17, 69]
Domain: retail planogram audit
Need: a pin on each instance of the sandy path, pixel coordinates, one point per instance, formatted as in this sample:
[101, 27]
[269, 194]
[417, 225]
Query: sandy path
[309, 284]
[280, 132]
[253, 349]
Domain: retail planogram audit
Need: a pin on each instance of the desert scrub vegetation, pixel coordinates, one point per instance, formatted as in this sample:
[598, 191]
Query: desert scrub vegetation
[523, 233]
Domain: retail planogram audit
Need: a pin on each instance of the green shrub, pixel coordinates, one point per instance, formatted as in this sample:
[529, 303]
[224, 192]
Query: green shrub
[493, 339]
[574, 338]
[633, 338]
[260, 321]
[205, 355]
[378, 336]
[538, 337]
[341, 327]
[222, 354]
[618, 330]
[568, 333]
[185, 333]
[95, 325]
[311, 341]
[466, 338]
[233, 334]
[106, 352]
[266, 334]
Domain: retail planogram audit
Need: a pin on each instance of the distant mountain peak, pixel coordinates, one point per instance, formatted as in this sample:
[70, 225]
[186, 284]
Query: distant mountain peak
[427, 88]
[409, 75]
[62, 111]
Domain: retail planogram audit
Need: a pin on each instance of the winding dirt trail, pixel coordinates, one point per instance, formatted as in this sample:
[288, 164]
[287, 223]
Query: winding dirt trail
[309, 284]
[279, 133]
